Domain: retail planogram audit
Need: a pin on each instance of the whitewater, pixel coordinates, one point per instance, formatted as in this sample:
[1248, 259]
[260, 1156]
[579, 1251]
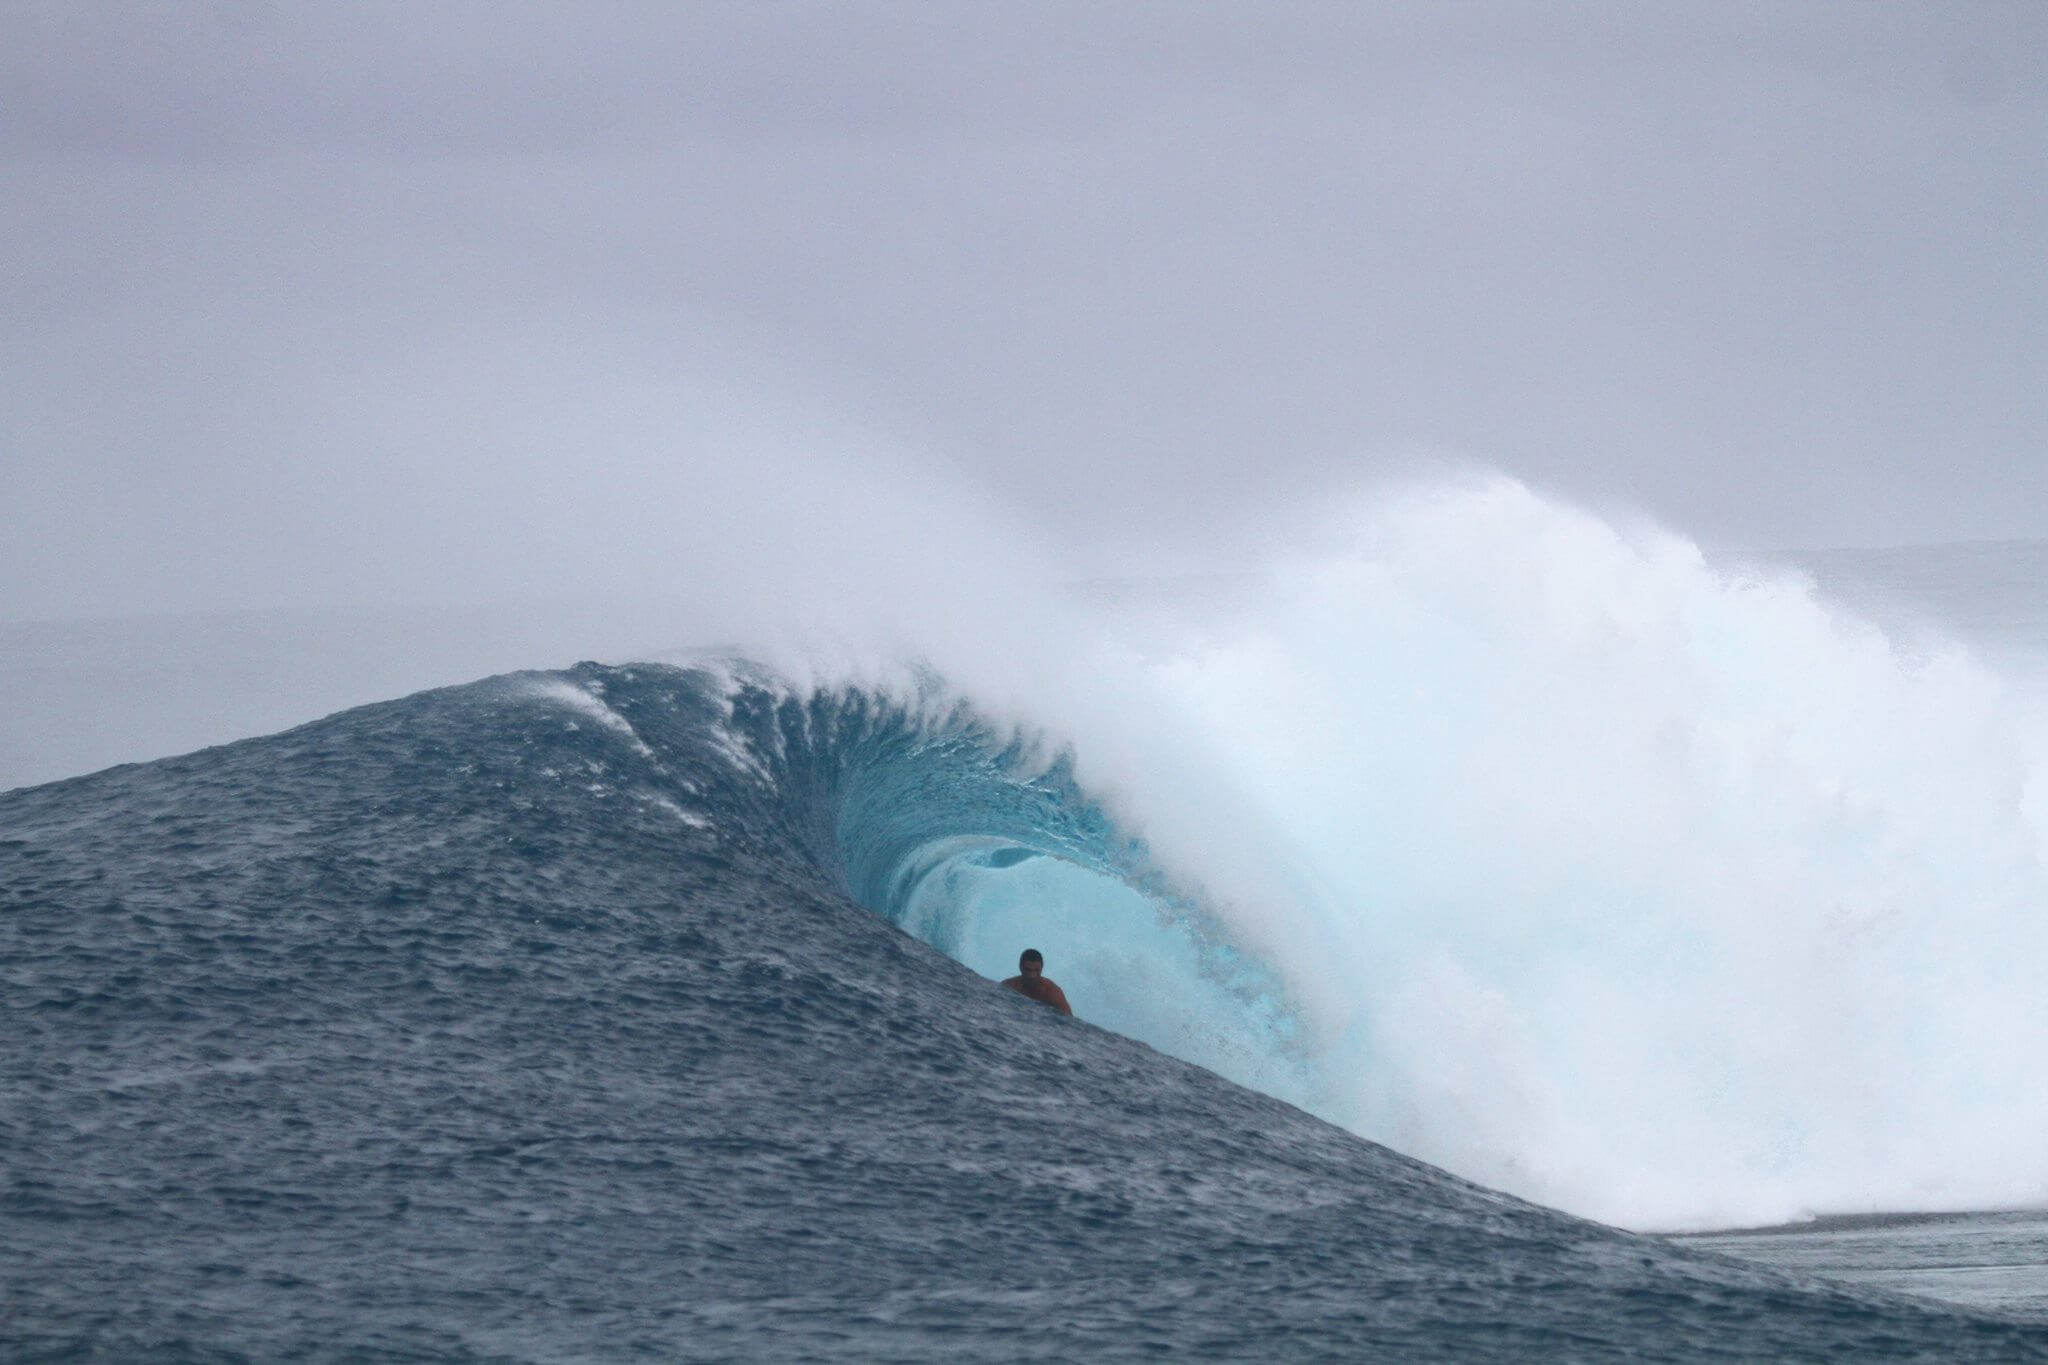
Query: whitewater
[1669, 889]
[645, 1008]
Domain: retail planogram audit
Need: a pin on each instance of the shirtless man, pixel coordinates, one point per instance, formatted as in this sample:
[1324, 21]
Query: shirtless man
[1033, 982]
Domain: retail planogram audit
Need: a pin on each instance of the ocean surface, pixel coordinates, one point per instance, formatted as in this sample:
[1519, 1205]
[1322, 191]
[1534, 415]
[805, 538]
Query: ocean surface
[1508, 936]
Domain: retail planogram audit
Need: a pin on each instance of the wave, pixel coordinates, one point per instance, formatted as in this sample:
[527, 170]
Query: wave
[980, 842]
[1547, 848]
[484, 1022]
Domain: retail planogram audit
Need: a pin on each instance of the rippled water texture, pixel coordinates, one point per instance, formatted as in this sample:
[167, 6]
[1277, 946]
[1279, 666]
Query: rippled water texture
[498, 1024]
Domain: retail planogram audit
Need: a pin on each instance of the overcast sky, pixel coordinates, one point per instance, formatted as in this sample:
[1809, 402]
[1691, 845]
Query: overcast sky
[320, 304]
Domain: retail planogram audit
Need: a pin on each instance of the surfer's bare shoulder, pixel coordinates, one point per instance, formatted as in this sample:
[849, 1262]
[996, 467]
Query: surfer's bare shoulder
[1032, 982]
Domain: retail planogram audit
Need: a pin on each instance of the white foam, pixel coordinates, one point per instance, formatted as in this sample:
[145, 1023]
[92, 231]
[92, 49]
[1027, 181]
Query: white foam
[1654, 888]
[691, 818]
[565, 693]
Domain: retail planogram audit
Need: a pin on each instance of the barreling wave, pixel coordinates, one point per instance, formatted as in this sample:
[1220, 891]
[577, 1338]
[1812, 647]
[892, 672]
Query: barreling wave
[1555, 851]
[1550, 849]
[979, 840]
[491, 1021]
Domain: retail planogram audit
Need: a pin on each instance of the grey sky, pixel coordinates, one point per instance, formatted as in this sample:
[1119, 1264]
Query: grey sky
[363, 303]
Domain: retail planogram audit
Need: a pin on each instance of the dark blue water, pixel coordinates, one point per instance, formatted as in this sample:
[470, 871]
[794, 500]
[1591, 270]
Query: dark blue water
[527, 1023]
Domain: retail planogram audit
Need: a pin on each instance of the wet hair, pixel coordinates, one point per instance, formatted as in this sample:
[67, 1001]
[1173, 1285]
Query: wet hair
[1030, 955]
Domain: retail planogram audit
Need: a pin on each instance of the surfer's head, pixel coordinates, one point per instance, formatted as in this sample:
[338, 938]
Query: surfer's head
[1032, 962]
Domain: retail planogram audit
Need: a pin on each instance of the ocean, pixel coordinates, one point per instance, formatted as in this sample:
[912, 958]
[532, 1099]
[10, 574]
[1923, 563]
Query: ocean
[1500, 931]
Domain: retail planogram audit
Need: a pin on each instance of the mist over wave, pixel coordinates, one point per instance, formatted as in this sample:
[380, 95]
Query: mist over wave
[1542, 845]
[1552, 851]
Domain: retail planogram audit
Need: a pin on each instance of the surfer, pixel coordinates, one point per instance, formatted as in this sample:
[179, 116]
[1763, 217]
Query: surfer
[1031, 980]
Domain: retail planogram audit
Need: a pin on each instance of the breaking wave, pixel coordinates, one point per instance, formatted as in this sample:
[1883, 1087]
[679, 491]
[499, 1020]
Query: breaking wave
[1548, 849]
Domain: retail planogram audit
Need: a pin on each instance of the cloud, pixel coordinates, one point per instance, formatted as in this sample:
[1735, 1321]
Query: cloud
[305, 293]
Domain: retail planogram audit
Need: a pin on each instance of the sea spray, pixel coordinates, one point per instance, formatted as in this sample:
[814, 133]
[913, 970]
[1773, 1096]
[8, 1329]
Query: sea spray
[1639, 879]
[1587, 865]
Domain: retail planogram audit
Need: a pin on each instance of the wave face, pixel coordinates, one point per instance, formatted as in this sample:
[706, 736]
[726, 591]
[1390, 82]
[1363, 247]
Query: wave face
[535, 1017]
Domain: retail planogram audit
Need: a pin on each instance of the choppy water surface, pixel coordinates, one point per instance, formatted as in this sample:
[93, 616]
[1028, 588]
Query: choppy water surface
[532, 1020]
